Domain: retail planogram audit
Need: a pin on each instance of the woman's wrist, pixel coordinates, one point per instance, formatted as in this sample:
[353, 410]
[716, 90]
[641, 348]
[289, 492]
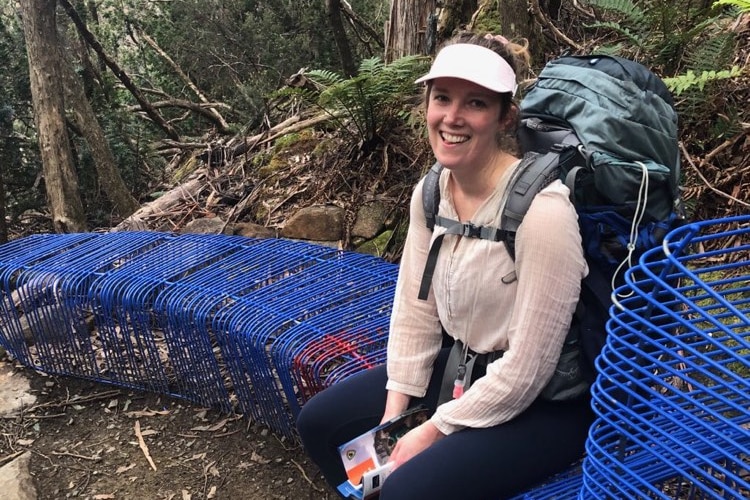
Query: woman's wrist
[395, 404]
[432, 431]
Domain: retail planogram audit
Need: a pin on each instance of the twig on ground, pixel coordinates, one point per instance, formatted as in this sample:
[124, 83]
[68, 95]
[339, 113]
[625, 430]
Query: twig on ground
[142, 444]
[306, 478]
[76, 400]
[95, 458]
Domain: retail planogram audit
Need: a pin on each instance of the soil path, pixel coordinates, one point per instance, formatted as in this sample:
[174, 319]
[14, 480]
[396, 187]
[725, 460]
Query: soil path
[97, 442]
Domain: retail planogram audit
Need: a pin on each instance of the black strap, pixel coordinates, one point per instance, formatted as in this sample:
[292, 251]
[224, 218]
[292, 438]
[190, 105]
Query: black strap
[475, 364]
[534, 173]
[431, 194]
[458, 228]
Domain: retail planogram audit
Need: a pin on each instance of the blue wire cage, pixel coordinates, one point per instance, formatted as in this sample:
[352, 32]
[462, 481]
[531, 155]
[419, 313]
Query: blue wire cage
[673, 391]
[241, 324]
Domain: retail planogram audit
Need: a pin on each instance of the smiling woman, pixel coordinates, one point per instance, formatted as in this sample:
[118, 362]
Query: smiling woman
[476, 352]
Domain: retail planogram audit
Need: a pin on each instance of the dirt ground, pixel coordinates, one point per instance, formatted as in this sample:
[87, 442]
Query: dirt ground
[95, 442]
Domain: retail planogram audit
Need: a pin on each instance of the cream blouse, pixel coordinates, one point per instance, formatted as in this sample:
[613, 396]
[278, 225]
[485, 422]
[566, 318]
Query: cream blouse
[527, 318]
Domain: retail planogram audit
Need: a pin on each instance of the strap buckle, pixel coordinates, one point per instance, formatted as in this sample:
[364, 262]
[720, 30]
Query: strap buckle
[471, 231]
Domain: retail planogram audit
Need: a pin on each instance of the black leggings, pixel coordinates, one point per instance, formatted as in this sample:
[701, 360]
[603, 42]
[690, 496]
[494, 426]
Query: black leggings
[490, 463]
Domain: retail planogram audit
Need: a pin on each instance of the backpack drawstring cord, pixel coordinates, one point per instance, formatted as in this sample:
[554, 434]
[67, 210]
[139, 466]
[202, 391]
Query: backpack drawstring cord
[640, 211]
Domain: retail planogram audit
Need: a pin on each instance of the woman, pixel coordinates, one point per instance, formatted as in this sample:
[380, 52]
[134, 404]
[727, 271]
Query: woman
[499, 437]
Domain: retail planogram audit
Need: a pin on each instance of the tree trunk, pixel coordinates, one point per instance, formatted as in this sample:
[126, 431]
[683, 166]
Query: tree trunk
[411, 29]
[454, 14]
[119, 72]
[339, 36]
[517, 21]
[61, 181]
[83, 117]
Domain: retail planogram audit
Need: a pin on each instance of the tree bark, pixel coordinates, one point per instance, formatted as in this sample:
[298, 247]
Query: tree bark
[83, 117]
[60, 179]
[411, 29]
[339, 37]
[517, 21]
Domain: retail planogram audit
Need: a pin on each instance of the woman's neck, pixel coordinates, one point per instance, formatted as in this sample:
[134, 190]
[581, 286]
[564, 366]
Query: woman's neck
[470, 188]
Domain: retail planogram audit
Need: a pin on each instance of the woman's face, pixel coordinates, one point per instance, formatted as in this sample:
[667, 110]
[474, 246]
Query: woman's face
[463, 121]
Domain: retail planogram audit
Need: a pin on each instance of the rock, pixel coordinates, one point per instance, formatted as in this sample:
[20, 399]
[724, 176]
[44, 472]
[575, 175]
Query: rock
[251, 230]
[15, 391]
[15, 480]
[376, 246]
[321, 223]
[370, 220]
[206, 225]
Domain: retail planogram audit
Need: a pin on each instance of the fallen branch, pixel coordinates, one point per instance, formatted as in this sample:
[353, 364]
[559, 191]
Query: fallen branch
[142, 444]
[161, 204]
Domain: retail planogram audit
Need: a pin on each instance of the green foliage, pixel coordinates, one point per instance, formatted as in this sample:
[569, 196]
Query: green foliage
[368, 102]
[743, 5]
[660, 33]
[689, 80]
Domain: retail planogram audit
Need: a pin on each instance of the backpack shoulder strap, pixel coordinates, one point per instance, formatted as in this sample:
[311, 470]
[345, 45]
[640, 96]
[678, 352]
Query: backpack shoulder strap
[534, 173]
[431, 194]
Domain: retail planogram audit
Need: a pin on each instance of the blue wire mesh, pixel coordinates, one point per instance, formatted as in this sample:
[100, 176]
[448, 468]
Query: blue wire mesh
[138, 349]
[189, 306]
[237, 323]
[15, 258]
[673, 394]
[346, 291]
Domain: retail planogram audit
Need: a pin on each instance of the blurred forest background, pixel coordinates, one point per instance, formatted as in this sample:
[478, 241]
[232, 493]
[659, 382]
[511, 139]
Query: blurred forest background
[108, 104]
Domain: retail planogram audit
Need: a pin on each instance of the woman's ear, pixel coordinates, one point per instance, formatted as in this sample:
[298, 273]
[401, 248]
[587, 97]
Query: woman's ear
[509, 120]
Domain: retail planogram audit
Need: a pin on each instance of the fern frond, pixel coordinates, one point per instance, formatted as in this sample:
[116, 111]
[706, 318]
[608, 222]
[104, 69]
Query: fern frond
[679, 84]
[712, 52]
[623, 8]
[324, 78]
[743, 5]
[635, 38]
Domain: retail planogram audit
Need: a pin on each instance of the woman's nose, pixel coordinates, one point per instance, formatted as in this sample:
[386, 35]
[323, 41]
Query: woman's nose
[452, 114]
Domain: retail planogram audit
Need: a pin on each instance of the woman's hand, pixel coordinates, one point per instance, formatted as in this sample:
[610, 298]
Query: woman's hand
[415, 441]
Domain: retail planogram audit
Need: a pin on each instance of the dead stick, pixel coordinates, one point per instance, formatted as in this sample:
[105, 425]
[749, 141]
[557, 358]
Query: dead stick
[68, 402]
[142, 444]
[11, 457]
[75, 455]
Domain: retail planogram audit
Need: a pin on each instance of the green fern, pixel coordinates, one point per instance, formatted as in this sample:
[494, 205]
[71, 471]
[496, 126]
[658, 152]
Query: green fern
[367, 102]
[691, 80]
[628, 10]
[659, 32]
[743, 5]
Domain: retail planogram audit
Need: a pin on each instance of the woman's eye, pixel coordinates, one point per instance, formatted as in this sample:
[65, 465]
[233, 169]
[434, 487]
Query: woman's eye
[476, 103]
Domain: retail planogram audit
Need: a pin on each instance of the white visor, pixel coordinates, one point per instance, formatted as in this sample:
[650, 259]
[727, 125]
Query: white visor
[473, 63]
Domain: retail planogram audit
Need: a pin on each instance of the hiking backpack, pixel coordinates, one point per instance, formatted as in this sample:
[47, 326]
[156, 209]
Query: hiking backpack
[606, 126]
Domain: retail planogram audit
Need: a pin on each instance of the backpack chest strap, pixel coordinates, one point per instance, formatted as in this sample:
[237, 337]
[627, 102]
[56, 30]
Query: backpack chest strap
[452, 226]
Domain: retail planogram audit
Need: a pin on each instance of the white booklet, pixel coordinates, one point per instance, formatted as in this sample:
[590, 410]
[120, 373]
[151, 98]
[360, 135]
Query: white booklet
[365, 457]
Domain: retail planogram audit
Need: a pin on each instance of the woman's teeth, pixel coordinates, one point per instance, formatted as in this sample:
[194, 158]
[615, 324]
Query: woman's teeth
[454, 139]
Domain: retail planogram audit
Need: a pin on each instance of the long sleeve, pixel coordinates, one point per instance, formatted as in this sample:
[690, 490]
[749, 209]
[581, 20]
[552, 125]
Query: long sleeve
[415, 332]
[527, 318]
